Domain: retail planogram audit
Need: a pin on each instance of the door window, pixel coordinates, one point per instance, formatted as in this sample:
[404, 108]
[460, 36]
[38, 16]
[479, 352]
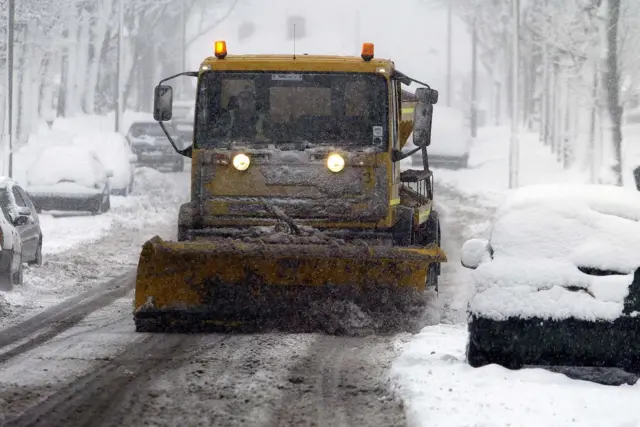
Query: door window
[19, 200]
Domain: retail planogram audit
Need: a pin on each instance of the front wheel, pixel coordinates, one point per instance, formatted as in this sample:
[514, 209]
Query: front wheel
[103, 205]
[18, 276]
[38, 260]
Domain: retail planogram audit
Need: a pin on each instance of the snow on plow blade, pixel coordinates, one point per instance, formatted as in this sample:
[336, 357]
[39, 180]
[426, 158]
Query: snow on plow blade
[232, 284]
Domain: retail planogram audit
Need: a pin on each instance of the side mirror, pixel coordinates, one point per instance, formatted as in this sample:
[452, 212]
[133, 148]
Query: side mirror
[133, 158]
[474, 252]
[21, 220]
[109, 173]
[162, 103]
[427, 95]
[422, 117]
[24, 211]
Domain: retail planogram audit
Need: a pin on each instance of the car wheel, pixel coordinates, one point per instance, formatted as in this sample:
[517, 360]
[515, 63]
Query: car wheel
[38, 260]
[6, 281]
[18, 276]
[106, 204]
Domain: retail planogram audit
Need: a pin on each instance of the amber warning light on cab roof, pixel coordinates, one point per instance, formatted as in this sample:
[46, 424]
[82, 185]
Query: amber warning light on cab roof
[367, 51]
[220, 48]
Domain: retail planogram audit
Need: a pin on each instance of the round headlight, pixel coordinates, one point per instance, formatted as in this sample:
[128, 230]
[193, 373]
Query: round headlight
[241, 162]
[335, 162]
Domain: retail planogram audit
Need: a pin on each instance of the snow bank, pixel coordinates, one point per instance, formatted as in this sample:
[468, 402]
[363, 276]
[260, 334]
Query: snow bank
[542, 235]
[440, 389]
[156, 198]
[487, 176]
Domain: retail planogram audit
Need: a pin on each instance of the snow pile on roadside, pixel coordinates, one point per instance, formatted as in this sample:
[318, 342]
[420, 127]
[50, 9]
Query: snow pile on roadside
[488, 173]
[542, 235]
[440, 389]
[156, 198]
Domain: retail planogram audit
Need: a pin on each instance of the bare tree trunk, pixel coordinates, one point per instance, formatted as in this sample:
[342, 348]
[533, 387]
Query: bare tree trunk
[613, 88]
[591, 152]
[547, 96]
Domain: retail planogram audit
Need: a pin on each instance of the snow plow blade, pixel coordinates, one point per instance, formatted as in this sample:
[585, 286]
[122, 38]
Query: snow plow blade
[234, 285]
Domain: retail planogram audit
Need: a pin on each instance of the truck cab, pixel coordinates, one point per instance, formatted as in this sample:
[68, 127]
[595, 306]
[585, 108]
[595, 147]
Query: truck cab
[319, 137]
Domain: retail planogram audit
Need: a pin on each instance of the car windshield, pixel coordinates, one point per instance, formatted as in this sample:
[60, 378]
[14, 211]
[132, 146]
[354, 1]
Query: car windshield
[334, 109]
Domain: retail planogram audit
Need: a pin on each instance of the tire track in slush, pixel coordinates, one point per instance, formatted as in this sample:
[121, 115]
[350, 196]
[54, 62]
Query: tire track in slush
[342, 382]
[86, 401]
[62, 317]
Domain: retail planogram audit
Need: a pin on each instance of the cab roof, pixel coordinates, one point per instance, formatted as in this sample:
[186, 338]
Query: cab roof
[302, 62]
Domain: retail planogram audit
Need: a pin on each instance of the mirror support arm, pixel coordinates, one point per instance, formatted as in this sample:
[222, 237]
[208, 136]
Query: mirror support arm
[187, 152]
[398, 155]
[184, 152]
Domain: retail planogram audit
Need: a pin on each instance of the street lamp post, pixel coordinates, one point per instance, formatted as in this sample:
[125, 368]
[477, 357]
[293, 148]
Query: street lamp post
[9, 94]
[119, 76]
[514, 146]
[449, 42]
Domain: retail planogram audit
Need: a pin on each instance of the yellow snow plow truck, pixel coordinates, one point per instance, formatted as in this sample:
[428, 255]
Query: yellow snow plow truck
[300, 218]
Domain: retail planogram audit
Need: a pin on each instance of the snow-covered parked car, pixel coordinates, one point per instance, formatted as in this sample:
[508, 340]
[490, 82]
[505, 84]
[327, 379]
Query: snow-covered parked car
[10, 250]
[152, 146]
[20, 211]
[115, 154]
[451, 139]
[69, 178]
[558, 281]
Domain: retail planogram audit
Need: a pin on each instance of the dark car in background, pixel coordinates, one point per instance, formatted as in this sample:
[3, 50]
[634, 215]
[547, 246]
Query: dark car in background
[151, 145]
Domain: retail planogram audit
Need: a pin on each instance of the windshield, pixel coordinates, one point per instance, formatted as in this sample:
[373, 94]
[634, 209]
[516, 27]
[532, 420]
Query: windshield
[333, 109]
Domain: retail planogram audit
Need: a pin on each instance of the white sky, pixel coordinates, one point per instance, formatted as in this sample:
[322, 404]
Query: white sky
[410, 32]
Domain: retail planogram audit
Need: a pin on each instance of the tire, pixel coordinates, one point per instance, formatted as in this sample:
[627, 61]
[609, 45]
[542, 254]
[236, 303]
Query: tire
[432, 235]
[432, 231]
[10, 278]
[475, 357]
[103, 206]
[106, 205]
[183, 233]
[18, 276]
[6, 281]
[39, 260]
[403, 229]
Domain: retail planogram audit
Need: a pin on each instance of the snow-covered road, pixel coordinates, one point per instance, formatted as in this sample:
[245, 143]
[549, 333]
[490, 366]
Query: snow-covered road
[80, 362]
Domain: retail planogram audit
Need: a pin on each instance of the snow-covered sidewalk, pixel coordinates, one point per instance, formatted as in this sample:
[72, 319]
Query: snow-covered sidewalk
[440, 389]
[438, 386]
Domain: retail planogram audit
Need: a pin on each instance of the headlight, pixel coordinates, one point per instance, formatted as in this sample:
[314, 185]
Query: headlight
[241, 162]
[335, 162]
